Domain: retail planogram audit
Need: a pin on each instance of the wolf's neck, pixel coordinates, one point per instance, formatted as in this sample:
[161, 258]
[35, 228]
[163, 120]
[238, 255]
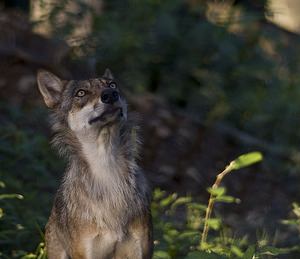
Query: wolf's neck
[103, 155]
[100, 152]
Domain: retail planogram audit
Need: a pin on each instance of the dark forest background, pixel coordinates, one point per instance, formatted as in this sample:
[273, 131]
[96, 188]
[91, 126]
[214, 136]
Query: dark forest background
[211, 80]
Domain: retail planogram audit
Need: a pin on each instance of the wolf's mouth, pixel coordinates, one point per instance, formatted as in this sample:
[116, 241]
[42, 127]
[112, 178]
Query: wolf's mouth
[107, 113]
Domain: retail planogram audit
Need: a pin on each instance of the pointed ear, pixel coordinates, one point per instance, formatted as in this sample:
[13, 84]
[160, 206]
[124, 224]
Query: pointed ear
[50, 87]
[108, 74]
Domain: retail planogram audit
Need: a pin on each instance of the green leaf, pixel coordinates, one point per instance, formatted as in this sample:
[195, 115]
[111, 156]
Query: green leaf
[227, 199]
[181, 201]
[161, 255]
[203, 255]
[2, 184]
[270, 250]
[158, 194]
[217, 191]
[197, 206]
[296, 209]
[214, 223]
[170, 235]
[250, 252]
[236, 250]
[11, 196]
[168, 200]
[292, 222]
[246, 160]
[29, 256]
[188, 234]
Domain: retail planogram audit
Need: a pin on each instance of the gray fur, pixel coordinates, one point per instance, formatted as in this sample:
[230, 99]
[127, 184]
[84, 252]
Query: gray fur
[103, 191]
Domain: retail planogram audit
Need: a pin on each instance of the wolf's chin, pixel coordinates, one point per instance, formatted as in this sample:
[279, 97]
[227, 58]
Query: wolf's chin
[108, 116]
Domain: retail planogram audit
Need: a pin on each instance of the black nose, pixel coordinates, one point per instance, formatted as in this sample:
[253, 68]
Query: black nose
[109, 96]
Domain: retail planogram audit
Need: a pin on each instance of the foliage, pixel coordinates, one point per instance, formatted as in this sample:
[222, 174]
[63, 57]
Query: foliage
[241, 71]
[5, 232]
[27, 168]
[248, 77]
[245, 160]
[179, 236]
[217, 192]
[296, 212]
[182, 240]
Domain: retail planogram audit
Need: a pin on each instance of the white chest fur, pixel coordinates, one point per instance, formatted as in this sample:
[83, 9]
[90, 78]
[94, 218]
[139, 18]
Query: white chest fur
[109, 186]
[110, 178]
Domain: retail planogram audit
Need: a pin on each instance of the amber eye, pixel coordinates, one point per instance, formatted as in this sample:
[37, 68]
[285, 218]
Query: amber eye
[80, 93]
[112, 85]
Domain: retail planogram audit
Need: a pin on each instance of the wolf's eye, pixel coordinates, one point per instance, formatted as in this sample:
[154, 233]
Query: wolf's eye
[80, 93]
[112, 85]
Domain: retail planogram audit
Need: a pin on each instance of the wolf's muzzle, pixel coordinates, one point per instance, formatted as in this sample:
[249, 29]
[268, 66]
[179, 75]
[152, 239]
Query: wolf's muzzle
[115, 112]
[109, 96]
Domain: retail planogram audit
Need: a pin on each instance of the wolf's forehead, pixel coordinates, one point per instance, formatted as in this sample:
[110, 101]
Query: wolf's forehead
[90, 83]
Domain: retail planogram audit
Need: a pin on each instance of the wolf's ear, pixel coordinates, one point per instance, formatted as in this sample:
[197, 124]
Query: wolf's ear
[108, 74]
[50, 87]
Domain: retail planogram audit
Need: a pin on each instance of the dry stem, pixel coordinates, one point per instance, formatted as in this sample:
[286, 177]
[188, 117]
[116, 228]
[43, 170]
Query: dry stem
[211, 202]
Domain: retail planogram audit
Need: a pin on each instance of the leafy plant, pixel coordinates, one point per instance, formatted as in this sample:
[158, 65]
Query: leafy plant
[244, 72]
[28, 167]
[217, 193]
[230, 69]
[178, 221]
[4, 232]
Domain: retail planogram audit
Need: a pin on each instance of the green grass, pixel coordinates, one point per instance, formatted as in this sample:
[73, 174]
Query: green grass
[29, 174]
[30, 168]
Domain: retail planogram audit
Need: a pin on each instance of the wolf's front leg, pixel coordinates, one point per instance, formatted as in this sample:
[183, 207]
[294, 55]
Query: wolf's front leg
[82, 242]
[54, 248]
[139, 243]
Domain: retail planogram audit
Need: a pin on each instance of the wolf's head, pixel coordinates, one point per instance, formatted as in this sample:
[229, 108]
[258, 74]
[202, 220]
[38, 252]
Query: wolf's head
[84, 109]
[85, 105]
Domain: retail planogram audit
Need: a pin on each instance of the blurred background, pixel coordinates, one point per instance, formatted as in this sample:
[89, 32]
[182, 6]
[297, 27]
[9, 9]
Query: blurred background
[210, 79]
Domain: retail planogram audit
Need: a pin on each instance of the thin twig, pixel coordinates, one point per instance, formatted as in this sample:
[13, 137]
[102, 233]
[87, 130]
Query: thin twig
[211, 202]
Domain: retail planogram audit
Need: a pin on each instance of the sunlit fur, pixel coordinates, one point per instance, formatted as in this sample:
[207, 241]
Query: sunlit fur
[101, 209]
